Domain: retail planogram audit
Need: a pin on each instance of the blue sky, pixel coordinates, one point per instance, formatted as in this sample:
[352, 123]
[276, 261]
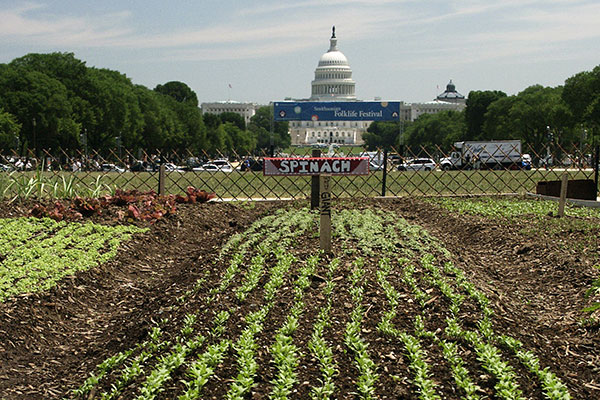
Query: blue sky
[268, 50]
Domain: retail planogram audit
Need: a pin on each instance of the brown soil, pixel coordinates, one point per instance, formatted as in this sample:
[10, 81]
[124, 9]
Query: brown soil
[50, 342]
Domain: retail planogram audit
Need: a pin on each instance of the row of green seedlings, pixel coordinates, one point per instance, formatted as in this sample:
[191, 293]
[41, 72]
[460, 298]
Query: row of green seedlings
[488, 354]
[281, 239]
[506, 386]
[284, 226]
[203, 368]
[167, 363]
[366, 230]
[376, 235]
[416, 241]
[37, 253]
[246, 345]
[362, 232]
[552, 386]
[319, 347]
[16, 232]
[284, 352]
[160, 374]
[147, 348]
[414, 352]
[281, 233]
[183, 345]
[352, 338]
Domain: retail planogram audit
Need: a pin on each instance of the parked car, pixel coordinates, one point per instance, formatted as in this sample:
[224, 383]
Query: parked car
[223, 165]
[173, 167]
[373, 166]
[139, 166]
[395, 159]
[207, 167]
[417, 164]
[112, 168]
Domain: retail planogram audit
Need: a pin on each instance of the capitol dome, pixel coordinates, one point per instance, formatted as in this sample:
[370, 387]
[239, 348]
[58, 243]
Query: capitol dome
[451, 95]
[333, 76]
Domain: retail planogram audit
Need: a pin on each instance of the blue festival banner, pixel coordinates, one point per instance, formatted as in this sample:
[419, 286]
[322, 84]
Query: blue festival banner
[336, 111]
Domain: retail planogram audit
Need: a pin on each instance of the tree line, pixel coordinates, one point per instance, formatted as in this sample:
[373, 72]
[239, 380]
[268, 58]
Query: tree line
[55, 102]
[539, 116]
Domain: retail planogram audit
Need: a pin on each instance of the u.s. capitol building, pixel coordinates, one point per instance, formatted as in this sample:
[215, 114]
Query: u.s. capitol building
[333, 82]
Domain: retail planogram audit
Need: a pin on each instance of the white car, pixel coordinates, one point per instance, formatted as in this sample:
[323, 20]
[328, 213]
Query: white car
[373, 166]
[172, 167]
[418, 164]
[111, 168]
[223, 165]
[207, 167]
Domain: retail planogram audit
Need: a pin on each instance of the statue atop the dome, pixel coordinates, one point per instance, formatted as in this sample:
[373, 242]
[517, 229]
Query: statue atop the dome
[333, 32]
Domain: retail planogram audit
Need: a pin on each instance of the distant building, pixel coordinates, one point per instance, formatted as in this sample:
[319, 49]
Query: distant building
[412, 111]
[333, 76]
[246, 110]
[333, 82]
[451, 95]
[449, 100]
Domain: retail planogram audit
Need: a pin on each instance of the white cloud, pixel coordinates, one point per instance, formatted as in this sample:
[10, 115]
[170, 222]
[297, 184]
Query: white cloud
[485, 29]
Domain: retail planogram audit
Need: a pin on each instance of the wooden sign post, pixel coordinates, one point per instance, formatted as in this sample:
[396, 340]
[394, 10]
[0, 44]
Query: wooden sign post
[325, 211]
[563, 194]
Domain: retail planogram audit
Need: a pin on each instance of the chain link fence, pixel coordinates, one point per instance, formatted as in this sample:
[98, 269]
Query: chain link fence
[402, 171]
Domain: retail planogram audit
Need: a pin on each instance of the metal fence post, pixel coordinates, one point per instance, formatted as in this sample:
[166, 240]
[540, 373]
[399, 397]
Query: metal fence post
[161, 179]
[315, 194]
[596, 161]
[383, 182]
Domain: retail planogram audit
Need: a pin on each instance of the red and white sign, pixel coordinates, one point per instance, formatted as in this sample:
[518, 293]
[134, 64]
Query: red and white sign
[316, 166]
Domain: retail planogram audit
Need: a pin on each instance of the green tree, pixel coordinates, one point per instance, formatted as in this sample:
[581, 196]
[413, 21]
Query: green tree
[40, 104]
[527, 116]
[498, 124]
[179, 91]
[381, 135]
[430, 132]
[211, 121]
[581, 93]
[9, 131]
[234, 118]
[477, 105]
[73, 75]
[240, 141]
[260, 127]
[117, 112]
[162, 129]
[195, 133]
[216, 140]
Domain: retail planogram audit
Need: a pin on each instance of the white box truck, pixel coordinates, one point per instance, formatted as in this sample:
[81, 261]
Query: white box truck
[495, 154]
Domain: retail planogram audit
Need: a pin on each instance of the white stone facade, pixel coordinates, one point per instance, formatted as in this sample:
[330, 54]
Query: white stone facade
[412, 111]
[246, 110]
[326, 132]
